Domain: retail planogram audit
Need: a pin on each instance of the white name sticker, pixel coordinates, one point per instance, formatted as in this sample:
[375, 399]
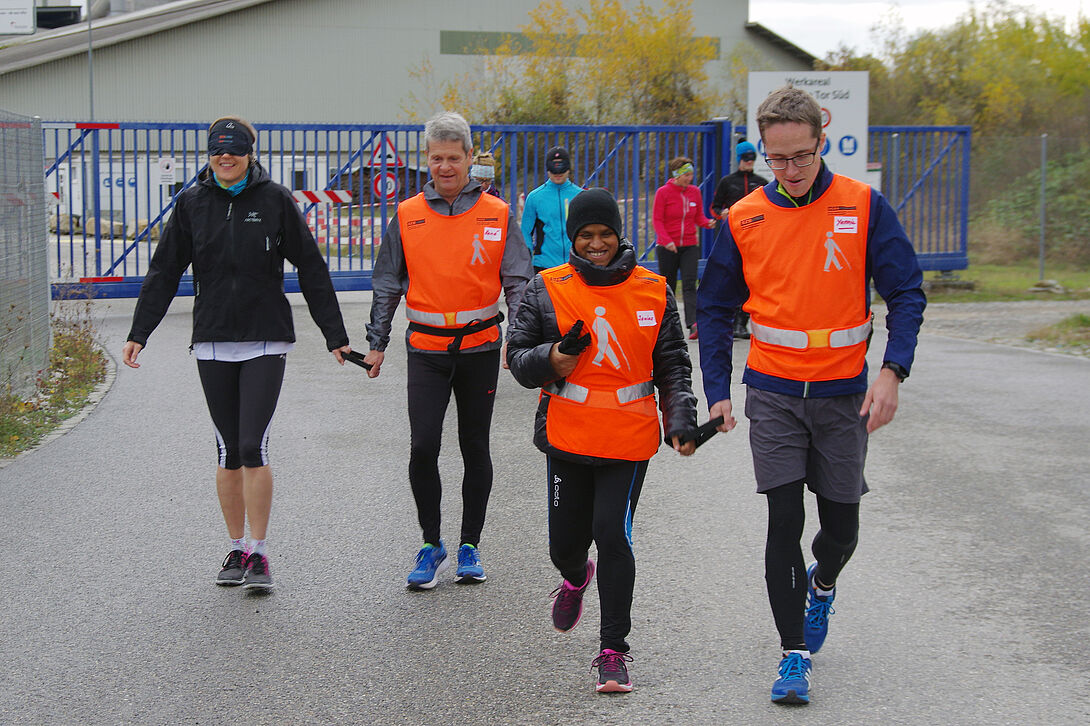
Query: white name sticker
[492, 234]
[846, 225]
[645, 318]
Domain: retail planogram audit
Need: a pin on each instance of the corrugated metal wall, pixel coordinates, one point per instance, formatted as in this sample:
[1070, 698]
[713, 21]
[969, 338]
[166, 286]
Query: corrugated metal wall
[331, 61]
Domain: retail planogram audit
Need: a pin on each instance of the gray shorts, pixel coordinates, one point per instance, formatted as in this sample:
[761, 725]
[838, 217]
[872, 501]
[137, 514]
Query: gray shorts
[821, 440]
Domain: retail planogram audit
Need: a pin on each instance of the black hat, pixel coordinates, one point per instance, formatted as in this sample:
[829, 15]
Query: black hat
[557, 160]
[593, 206]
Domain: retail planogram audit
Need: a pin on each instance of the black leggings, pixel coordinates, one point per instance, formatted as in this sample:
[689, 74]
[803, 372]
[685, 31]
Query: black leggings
[785, 572]
[242, 399]
[431, 378]
[596, 503]
[688, 259]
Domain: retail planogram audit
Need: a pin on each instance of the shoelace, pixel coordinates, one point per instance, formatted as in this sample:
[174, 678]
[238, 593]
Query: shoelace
[233, 559]
[792, 667]
[818, 613]
[468, 557]
[612, 662]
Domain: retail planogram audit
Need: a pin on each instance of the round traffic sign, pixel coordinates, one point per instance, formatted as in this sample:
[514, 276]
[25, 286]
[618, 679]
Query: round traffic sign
[385, 185]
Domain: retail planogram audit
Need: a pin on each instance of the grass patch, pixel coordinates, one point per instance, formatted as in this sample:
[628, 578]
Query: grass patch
[999, 283]
[1071, 332]
[76, 366]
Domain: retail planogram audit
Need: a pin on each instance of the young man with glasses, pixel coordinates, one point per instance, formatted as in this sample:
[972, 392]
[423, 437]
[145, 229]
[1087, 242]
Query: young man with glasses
[799, 256]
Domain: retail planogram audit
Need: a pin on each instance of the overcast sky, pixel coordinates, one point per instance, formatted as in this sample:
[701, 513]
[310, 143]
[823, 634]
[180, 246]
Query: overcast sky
[820, 27]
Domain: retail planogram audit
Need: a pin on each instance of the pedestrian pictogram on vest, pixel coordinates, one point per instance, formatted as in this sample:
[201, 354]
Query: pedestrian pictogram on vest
[833, 254]
[606, 337]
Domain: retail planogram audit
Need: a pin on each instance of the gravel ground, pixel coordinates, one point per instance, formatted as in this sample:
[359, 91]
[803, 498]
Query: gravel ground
[1006, 323]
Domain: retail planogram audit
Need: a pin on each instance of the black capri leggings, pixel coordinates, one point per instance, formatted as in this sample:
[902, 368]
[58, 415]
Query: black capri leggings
[242, 399]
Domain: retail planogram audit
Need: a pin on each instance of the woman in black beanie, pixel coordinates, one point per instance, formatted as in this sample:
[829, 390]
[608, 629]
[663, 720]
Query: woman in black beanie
[598, 335]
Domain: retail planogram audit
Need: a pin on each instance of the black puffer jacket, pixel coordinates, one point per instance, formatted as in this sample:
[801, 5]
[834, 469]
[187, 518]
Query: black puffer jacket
[237, 246]
[733, 187]
[534, 330]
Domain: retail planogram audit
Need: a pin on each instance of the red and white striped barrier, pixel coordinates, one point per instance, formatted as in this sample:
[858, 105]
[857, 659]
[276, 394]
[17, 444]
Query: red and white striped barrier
[326, 196]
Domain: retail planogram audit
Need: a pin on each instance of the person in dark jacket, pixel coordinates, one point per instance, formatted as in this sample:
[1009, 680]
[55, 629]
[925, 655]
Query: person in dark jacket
[236, 227]
[730, 189]
[598, 335]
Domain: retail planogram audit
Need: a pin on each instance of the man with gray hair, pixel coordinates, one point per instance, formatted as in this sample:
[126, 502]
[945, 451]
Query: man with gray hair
[450, 250]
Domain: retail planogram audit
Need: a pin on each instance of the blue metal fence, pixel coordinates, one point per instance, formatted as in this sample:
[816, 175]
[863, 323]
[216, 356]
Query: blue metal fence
[114, 185]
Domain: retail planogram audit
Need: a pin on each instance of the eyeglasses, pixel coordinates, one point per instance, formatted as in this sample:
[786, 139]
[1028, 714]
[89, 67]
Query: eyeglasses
[801, 161]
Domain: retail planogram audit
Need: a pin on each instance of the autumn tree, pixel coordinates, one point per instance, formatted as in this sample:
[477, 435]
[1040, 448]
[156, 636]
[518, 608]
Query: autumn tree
[606, 63]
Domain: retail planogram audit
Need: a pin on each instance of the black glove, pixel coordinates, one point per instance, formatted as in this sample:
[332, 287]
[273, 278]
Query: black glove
[573, 343]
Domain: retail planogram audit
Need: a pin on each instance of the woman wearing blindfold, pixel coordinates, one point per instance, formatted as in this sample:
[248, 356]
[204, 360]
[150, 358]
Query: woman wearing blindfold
[236, 227]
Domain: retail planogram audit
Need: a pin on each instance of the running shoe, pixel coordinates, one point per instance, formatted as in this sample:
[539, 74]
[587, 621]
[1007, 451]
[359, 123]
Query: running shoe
[568, 602]
[469, 569]
[793, 685]
[234, 569]
[431, 561]
[692, 332]
[818, 609]
[612, 672]
[257, 575]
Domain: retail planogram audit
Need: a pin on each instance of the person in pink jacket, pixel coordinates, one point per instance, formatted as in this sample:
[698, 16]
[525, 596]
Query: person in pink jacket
[679, 210]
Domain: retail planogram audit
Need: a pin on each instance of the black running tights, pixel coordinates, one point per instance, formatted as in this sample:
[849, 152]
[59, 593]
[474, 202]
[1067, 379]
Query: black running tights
[785, 571]
[596, 503]
[431, 378]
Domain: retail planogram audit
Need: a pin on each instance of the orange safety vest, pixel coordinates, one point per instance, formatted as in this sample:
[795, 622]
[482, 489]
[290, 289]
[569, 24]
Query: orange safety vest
[606, 407]
[454, 269]
[806, 270]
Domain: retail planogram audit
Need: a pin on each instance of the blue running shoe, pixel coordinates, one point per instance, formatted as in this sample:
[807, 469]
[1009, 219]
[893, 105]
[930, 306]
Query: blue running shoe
[815, 626]
[469, 570]
[793, 685]
[431, 561]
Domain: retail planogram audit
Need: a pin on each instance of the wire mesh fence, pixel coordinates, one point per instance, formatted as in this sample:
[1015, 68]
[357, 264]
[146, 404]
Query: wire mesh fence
[24, 271]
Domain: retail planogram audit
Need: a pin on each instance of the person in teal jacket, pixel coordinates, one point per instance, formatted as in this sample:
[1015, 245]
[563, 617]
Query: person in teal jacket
[546, 212]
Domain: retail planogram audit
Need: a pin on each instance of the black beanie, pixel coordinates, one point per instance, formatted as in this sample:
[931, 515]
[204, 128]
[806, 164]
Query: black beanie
[593, 206]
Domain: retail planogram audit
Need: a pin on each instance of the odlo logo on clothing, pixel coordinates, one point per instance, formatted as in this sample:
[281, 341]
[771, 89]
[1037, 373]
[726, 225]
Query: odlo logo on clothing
[253, 217]
[556, 491]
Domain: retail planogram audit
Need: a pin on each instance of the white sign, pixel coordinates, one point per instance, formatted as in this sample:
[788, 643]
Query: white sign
[843, 96]
[389, 151]
[166, 170]
[18, 17]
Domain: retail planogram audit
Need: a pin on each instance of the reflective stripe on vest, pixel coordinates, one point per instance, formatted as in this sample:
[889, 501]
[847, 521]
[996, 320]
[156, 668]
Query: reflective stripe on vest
[453, 264]
[606, 407]
[803, 339]
[449, 320]
[806, 271]
[600, 399]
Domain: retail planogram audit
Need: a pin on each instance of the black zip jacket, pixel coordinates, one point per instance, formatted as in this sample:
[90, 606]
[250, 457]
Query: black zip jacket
[237, 247]
[733, 187]
[534, 330]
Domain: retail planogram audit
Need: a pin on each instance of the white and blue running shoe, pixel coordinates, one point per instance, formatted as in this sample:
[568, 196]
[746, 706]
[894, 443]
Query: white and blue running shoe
[793, 685]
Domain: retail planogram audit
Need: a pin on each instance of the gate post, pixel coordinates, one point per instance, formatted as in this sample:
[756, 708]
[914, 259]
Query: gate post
[717, 152]
[96, 200]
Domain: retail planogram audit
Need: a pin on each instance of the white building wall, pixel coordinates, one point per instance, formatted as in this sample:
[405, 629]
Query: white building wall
[342, 61]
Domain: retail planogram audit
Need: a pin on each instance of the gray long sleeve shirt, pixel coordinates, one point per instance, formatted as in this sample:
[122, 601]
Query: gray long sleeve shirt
[390, 277]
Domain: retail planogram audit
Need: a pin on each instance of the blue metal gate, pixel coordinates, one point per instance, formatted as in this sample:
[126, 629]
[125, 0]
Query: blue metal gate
[114, 185]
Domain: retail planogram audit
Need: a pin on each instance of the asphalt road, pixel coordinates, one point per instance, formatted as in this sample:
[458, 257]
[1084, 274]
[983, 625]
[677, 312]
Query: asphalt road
[965, 603]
